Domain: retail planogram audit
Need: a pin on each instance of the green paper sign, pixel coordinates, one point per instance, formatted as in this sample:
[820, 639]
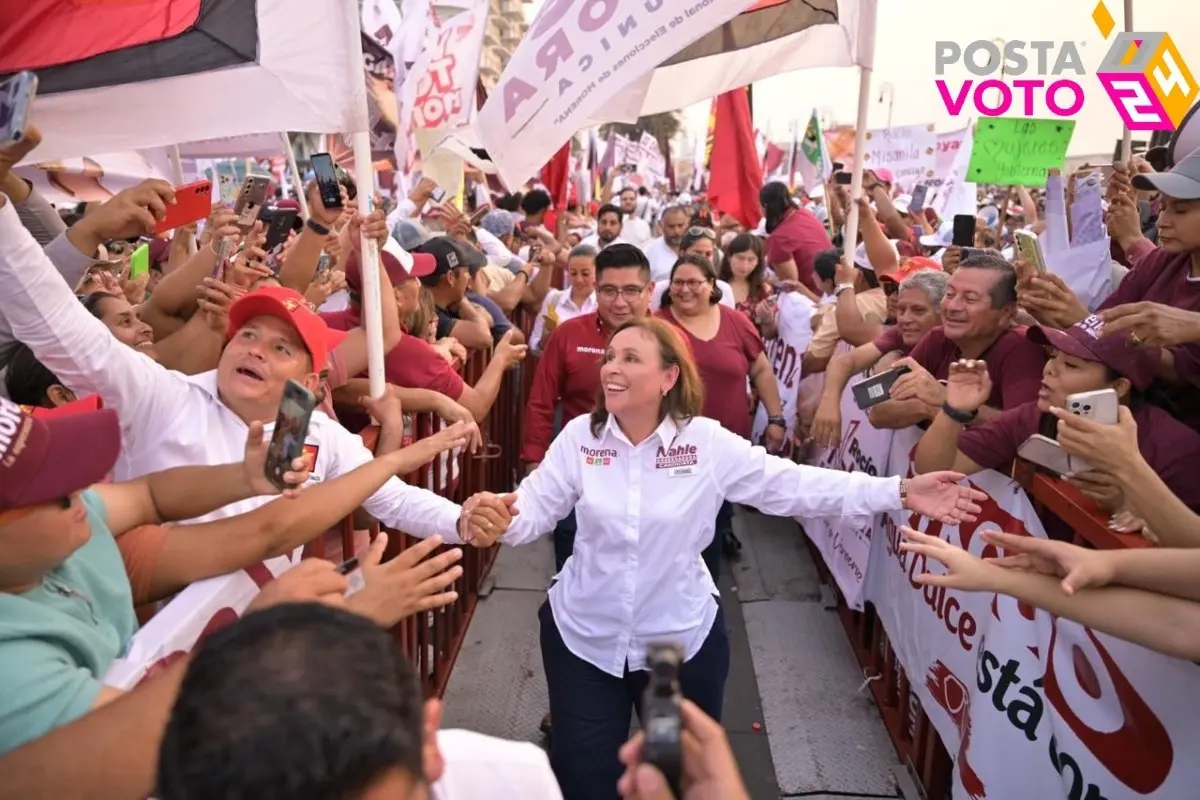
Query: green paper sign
[1018, 152]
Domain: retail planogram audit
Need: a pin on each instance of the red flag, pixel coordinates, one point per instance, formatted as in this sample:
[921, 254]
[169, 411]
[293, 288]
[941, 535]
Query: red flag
[556, 175]
[735, 173]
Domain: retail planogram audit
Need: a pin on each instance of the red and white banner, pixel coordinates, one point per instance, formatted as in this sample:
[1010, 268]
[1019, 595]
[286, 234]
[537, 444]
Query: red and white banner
[1083, 714]
[200, 609]
[793, 325]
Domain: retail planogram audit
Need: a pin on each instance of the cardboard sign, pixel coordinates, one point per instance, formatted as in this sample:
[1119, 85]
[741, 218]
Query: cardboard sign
[1018, 152]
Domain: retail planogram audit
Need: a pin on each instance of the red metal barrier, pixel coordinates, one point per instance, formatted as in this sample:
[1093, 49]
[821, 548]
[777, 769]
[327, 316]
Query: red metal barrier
[917, 743]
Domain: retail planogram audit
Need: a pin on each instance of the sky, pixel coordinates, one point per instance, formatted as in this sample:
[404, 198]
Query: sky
[906, 33]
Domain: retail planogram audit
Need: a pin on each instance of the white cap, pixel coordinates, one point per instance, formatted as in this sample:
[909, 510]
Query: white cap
[902, 203]
[860, 254]
[943, 238]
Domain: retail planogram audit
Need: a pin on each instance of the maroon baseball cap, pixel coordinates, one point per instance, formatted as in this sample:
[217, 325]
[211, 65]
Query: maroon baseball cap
[289, 306]
[401, 266]
[42, 460]
[1084, 340]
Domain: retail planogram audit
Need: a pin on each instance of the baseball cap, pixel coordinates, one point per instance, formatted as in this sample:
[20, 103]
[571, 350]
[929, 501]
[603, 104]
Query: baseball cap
[43, 460]
[410, 234]
[449, 254]
[943, 238]
[910, 265]
[902, 203]
[401, 266]
[289, 306]
[884, 174]
[1084, 340]
[860, 255]
[1181, 183]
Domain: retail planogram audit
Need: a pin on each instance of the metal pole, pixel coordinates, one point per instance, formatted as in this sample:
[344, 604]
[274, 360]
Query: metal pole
[1127, 135]
[850, 234]
[297, 184]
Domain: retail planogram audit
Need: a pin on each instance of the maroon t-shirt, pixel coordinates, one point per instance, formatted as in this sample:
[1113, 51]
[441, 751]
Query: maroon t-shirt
[724, 363]
[1014, 364]
[1162, 277]
[889, 340]
[799, 237]
[1171, 448]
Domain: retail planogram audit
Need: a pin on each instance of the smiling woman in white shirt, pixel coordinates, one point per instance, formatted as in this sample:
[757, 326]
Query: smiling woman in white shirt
[576, 300]
[646, 475]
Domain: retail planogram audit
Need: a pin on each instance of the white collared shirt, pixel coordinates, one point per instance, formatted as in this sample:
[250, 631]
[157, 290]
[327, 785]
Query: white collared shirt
[635, 230]
[564, 308]
[498, 769]
[662, 259]
[169, 419]
[594, 241]
[645, 513]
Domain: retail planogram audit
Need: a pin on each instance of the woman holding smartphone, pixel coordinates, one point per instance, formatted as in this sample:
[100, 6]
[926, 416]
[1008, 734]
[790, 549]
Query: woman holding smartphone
[645, 475]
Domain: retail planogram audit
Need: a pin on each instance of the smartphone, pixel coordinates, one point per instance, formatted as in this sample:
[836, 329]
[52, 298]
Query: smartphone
[193, 202]
[1048, 454]
[139, 262]
[964, 230]
[251, 199]
[876, 389]
[279, 226]
[438, 195]
[838, 166]
[16, 96]
[479, 214]
[918, 198]
[1098, 406]
[662, 726]
[347, 566]
[1030, 249]
[843, 178]
[325, 174]
[291, 429]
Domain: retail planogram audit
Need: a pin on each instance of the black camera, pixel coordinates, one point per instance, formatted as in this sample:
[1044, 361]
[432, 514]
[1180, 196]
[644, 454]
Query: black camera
[661, 724]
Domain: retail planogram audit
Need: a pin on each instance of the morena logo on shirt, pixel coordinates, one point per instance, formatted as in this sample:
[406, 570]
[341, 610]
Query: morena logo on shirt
[683, 455]
[597, 458]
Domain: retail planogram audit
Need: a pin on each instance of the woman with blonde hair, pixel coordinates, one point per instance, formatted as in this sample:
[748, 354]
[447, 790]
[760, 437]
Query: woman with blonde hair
[645, 475]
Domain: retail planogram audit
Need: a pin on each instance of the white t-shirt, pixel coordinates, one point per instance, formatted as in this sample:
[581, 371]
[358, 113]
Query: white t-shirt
[662, 259]
[594, 241]
[635, 230]
[564, 308]
[484, 766]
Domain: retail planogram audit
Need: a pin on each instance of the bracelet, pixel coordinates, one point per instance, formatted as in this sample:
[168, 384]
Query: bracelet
[961, 417]
[904, 493]
[316, 227]
[842, 287]
[780, 421]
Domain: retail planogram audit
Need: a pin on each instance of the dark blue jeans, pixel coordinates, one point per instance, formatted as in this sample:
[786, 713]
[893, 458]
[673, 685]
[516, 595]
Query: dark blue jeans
[712, 553]
[591, 709]
[564, 540]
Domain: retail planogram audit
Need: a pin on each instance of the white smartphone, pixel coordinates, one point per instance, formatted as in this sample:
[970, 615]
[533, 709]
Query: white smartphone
[438, 194]
[1029, 249]
[1047, 453]
[1098, 406]
[16, 96]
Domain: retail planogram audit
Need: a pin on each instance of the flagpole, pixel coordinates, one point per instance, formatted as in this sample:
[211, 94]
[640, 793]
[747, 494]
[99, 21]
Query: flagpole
[1127, 135]
[850, 232]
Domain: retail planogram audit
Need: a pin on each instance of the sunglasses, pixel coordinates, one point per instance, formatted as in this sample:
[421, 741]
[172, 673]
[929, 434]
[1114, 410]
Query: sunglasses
[14, 514]
[702, 233]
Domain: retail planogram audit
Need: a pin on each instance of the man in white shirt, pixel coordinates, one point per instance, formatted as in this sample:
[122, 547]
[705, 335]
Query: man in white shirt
[169, 419]
[663, 251]
[609, 228]
[495, 236]
[636, 229]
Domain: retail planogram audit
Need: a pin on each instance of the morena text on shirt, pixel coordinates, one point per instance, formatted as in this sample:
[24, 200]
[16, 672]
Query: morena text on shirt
[598, 453]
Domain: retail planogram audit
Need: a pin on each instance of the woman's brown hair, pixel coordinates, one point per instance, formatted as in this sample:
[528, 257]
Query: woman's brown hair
[685, 398]
[422, 315]
[746, 243]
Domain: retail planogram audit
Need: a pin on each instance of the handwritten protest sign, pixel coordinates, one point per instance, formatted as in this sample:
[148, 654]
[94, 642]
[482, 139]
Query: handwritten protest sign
[1018, 152]
[909, 151]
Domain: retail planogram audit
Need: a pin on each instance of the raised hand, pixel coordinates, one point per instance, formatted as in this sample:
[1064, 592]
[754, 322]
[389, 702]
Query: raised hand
[963, 570]
[129, 213]
[826, 427]
[254, 463]
[939, 496]
[968, 386]
[311, 581]
[1078, 567]
[415, 580]
[215, 299]
[511, 354]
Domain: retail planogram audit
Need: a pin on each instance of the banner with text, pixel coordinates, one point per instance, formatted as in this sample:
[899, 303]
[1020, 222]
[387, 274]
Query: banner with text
[1018, 151]
[909, 151]
[1085, 715]
[793, 332]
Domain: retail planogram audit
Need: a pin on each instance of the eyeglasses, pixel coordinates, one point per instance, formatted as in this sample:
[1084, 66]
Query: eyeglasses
[692, 284]
[14, 514]
[702, 233]
[629, 293]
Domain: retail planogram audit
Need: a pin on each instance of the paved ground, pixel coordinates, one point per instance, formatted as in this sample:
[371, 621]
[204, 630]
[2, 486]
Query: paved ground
[798, 724]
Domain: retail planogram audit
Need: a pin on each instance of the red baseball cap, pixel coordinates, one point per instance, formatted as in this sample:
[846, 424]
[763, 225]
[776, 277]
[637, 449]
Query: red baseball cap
[401, 265]
[289, 306]
[1084, 340]
[910, 265]
[43, 460]
[83, 404]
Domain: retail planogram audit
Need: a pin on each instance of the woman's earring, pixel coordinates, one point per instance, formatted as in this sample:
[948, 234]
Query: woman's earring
[665, 391]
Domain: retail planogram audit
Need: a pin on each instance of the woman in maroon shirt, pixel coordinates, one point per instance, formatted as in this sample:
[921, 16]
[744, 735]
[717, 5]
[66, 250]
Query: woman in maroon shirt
[728, 351]
[795, 237]
[744, 268]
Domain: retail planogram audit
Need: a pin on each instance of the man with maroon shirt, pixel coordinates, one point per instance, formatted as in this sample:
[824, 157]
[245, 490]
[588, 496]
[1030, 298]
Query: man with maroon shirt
[794, 238]
[977, 315]
[568, 373]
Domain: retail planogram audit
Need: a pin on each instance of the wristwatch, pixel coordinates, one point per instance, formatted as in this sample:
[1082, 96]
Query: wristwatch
[904, 493]
[842, 287]
[780, 421]
[961, 417]
[316, 227]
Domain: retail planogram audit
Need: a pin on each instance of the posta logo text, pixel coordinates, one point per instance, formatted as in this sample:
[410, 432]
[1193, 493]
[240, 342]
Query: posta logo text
[1144, 74]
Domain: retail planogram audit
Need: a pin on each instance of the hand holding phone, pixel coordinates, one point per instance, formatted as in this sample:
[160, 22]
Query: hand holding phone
[291, 430]
[878, 388]
[327, 182]
[1029, 249]
[662, 725]
[964, 230]
[1099, 406]
[193, 202]
[16, 97]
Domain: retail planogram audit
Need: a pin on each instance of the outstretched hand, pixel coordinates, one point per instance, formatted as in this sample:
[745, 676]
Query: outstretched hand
[255, 465]
[939, 496]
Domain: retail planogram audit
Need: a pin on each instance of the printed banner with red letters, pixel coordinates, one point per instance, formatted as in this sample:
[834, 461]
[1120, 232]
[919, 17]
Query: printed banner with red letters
[845, 542]
[1080, 714]
[793, 326]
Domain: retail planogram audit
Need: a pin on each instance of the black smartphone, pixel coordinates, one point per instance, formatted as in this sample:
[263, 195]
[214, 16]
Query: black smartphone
[347, 566]
[291, 429]
[279, 227]
[843, 178]
[918, 198]
[876, 389]
[661, 723]
[838, 166]
[964, 230]
[327, 180]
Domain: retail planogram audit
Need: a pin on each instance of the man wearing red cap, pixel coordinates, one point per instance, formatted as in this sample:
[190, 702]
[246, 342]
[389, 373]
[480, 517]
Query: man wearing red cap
[170, 420]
